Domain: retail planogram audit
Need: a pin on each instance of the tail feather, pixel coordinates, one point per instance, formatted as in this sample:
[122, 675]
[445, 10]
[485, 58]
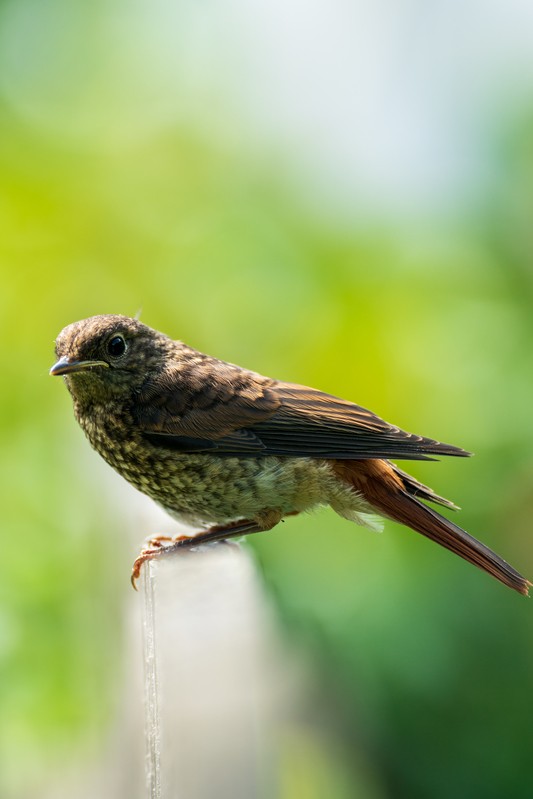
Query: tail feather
[419, 517]
[417, 489]
[386, 489]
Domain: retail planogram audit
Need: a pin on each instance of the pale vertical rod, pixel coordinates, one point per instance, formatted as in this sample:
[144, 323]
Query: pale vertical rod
[151, 687]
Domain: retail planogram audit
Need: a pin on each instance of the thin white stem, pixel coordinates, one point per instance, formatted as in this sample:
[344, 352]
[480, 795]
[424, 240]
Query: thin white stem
[151, 686]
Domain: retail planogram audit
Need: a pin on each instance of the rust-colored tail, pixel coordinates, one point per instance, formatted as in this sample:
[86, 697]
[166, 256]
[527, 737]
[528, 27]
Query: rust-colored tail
[383, 487]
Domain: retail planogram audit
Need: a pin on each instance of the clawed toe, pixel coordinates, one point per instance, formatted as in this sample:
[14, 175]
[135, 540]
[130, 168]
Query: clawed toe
[157, 541]
[161, 545]
[156, 547]
[144, 555]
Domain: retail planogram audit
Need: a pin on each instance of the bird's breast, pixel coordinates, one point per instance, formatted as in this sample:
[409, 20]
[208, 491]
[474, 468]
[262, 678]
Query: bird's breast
[204, 487]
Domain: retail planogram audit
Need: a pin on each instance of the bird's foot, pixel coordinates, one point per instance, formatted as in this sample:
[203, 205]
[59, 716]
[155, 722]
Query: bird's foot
[161, 545]
[156, 547]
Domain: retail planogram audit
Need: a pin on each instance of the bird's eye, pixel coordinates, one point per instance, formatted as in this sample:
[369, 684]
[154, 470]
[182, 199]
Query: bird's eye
[116, 346]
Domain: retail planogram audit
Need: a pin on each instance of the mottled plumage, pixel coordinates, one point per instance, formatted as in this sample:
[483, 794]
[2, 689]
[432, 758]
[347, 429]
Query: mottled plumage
[233, 451]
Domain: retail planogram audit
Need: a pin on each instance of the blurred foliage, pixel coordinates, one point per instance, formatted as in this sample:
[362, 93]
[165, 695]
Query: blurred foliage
[426, 664]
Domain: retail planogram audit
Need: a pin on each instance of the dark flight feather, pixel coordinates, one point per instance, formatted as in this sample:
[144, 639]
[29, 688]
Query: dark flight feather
[281, 419]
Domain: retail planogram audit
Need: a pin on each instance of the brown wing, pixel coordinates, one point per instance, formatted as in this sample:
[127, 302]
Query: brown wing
[312, 423]
[222, 409]
[204, 400]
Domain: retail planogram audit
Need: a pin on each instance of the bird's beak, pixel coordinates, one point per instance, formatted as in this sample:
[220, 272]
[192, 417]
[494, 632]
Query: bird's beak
[66, 366]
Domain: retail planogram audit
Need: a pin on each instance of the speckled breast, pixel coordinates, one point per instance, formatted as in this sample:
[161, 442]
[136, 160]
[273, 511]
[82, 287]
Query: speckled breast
[204, 488]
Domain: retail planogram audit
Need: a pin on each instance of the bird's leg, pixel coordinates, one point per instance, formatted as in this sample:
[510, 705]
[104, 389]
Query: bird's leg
[157, 546]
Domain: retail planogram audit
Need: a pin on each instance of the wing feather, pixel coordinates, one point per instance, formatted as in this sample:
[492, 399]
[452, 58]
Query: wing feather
[227, 411]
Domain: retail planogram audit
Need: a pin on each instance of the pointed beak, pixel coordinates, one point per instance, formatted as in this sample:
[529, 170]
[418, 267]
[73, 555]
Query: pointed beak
[66, 366]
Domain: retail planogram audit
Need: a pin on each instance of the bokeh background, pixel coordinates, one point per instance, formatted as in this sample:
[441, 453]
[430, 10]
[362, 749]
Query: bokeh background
[339, 194]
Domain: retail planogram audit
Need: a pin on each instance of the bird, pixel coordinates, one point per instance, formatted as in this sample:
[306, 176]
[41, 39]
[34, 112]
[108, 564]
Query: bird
[233, 452]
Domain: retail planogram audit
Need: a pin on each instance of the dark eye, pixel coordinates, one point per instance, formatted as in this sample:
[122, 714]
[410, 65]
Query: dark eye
[116, 346]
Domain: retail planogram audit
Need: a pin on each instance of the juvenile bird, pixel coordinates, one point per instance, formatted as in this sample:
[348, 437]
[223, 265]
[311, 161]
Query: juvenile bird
[234, 452]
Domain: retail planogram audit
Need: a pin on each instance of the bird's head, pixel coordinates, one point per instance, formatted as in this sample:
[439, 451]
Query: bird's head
[108, 356]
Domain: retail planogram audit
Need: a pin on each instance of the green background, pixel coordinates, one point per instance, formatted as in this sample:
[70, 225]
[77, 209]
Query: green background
[425, 665]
